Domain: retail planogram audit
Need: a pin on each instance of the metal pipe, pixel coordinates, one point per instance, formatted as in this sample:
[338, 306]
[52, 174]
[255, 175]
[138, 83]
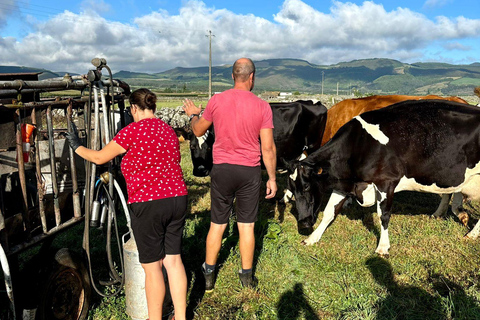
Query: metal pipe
[8, 279]
[21, 172]
[96, 135]
[73, 167]
[43, 104]
[51, 146]
[106, 130]
[38, 170]
[43, 84]
[88, 169]
[56, 84]
[36, 239]
[112, 109]
[46, 103]
[3, 232]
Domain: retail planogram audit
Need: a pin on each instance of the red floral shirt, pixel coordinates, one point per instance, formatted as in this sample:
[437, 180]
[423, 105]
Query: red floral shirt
[151, 165]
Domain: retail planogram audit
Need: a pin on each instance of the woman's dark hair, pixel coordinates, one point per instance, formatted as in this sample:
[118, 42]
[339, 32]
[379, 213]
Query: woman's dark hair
[143, 99]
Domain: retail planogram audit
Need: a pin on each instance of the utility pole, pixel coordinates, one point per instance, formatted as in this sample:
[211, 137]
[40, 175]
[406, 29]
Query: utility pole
[323, 74]
[210, 35]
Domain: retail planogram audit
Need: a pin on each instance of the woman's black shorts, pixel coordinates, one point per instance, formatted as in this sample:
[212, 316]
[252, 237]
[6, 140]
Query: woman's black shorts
[229, 182]
[158, 227]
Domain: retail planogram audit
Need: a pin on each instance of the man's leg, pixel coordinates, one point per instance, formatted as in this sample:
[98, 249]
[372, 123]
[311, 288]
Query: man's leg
[247, 249]
[214, 242]
[246, 243]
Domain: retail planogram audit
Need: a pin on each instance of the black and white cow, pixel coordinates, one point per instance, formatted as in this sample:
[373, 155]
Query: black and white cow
[201, 152]
[426, 145]
[298, 126]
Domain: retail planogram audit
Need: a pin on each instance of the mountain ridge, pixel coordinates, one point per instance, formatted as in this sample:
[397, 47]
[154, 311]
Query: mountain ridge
[374, 75]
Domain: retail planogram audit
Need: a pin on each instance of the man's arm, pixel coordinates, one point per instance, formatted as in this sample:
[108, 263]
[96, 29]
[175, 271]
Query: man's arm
[198, 124]
[269, 156]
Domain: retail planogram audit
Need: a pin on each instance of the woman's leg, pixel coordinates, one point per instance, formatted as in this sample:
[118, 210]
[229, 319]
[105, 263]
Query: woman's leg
[154, 289]
[177, 279]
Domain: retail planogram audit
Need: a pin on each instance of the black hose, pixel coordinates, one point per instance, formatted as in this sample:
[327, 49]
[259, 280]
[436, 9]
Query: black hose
[112, 269]
[111, 214]
[112, 217]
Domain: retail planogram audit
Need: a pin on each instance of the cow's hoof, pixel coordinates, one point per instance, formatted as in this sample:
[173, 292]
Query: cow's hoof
[383, 252]
[384, 255]
[463, 217]
[433, 216]
[470, 236]
[307, 243]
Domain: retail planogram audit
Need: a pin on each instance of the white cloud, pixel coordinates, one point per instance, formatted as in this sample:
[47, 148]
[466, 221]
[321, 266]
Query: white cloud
[430, 4]
[95, 5]
[7, 7]
[456, 46]
[160, 41]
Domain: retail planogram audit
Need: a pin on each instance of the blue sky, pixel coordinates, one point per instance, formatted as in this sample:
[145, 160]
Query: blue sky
[156, 35]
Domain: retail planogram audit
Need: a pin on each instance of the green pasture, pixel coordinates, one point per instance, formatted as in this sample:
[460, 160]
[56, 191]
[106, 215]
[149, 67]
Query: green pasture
[432, 271]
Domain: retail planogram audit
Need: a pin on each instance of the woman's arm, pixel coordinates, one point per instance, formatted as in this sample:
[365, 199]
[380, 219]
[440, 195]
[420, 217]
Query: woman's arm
[107, 153]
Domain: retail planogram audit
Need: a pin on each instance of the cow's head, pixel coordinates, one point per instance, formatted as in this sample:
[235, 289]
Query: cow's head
[306, 184]
[201, 151]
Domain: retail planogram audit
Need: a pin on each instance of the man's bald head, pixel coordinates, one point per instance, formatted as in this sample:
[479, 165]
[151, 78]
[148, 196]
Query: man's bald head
[242, 69]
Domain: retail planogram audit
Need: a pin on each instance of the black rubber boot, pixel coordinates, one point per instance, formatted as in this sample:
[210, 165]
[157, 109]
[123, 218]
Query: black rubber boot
[209, 280]
[247, 279]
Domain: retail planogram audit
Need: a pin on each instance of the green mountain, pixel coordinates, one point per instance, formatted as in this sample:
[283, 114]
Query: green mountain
[43, 74]
[379, 76]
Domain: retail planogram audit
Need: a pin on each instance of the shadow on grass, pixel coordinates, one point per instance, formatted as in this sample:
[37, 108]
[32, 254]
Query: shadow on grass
[293, 305]
[409, 302]
[402, 302]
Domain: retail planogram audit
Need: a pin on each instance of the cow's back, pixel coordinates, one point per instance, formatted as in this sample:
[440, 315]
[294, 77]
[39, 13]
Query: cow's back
[433, 141]
[297, 126]
[347, 109]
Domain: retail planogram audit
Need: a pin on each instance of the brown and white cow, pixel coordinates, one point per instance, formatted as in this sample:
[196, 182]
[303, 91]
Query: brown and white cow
[347, 109]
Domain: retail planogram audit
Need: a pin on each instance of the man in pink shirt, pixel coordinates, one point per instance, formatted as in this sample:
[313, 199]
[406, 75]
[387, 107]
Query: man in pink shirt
[243, 133]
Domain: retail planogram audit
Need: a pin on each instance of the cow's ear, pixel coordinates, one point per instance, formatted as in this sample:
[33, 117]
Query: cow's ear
[181, 133]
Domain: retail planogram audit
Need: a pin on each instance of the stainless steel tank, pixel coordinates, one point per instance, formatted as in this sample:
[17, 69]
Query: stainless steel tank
[135, 299]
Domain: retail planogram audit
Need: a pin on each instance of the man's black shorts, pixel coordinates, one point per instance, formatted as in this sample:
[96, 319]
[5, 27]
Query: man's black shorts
[229, 182]
[158, 227]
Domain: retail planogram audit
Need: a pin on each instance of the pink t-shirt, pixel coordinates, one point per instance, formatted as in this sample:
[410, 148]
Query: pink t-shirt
[151, 165]
[238, 116]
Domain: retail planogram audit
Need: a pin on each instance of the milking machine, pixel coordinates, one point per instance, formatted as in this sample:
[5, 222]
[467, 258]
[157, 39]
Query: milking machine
[96, 192]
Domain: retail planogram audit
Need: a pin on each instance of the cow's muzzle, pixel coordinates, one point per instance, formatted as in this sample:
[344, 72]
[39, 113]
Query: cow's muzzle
[201, 171]
[305, 227]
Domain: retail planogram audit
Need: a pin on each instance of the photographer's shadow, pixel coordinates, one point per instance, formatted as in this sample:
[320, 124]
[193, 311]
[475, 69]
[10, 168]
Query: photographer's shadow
[293, 305]
[402, 302]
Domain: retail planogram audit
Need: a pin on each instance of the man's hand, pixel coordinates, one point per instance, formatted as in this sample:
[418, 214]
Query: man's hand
[190, 108]
[271, 189]
[72, 138]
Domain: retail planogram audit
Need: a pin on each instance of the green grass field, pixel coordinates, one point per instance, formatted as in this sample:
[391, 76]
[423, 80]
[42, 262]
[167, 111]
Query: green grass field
[432, 271]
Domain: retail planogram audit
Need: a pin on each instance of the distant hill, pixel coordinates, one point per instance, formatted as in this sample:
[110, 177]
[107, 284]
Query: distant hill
[380, 76]
[377, 75]
[45, 74]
